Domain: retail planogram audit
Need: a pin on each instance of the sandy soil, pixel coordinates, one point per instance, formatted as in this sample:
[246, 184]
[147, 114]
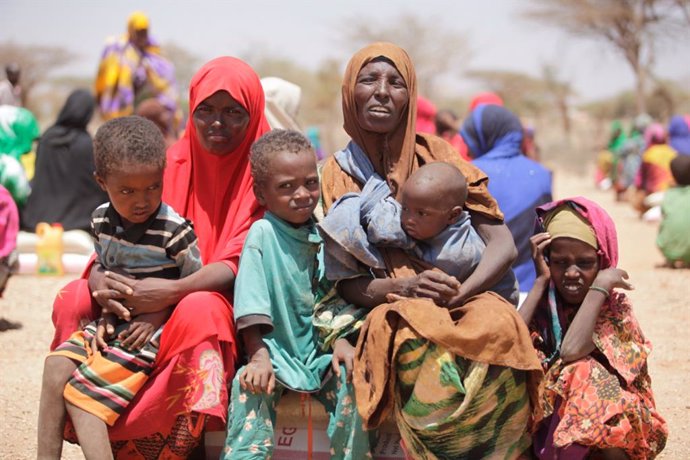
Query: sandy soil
[661, 303]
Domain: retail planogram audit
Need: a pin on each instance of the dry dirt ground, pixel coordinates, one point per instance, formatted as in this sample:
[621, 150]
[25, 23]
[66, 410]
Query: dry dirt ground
[661, 300]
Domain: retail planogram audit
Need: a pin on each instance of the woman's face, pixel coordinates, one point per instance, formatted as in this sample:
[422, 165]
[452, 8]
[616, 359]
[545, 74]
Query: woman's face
[381, 97]
[221, 123]
[574, 265]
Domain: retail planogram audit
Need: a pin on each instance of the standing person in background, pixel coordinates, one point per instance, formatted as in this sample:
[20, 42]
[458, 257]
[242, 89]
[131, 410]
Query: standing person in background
[519, 184]
[133, 69]
[63, 188]
[10, 90]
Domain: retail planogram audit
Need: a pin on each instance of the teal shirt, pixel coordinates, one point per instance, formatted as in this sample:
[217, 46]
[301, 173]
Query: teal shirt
[279, 268]
[674, 232]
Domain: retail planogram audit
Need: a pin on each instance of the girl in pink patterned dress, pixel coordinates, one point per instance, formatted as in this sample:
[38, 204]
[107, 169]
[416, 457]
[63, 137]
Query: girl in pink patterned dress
[597, 396]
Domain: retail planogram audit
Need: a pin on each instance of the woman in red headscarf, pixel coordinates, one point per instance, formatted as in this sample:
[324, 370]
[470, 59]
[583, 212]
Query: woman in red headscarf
[207, 180]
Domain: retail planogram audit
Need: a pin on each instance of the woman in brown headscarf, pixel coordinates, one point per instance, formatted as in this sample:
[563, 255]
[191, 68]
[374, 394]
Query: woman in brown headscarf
[454, 362]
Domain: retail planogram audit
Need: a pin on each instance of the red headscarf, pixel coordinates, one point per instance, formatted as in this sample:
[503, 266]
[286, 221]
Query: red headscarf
[215, 192]
[485, 98]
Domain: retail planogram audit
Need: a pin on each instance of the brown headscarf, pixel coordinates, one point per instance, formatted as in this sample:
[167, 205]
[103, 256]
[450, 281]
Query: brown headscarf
[407, 150]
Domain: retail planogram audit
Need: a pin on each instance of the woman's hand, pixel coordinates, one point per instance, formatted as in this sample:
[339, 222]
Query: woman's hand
[258, 376]
[539, 243]
[344, 353]
[430, 284]
[127, 297]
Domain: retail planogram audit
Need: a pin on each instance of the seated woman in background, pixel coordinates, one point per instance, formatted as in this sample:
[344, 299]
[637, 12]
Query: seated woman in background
[63, 189]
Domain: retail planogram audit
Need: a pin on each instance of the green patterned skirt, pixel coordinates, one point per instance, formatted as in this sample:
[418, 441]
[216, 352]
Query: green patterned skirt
[447, 407]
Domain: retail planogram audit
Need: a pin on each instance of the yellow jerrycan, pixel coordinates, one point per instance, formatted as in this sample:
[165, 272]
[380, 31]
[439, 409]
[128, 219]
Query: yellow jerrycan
[49, 249]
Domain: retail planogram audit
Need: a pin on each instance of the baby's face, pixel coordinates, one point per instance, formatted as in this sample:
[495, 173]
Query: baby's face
[424, 213]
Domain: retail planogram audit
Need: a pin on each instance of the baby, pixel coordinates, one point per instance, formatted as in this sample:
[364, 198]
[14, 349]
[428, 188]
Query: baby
[429, 223]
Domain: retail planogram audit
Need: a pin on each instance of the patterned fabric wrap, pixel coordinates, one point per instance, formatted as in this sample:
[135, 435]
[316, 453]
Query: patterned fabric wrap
[654, 174]
[606, 399]
[456, 408]
[18, 130]
[251, 431]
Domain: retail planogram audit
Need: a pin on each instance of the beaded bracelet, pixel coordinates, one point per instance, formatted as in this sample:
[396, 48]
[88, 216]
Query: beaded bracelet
[600, 289]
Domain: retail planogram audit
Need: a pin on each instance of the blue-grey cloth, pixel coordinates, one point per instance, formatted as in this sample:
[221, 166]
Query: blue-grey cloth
[359, 223]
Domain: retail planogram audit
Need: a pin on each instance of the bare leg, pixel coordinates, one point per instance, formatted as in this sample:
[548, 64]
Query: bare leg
[51, 413]
[92, 433]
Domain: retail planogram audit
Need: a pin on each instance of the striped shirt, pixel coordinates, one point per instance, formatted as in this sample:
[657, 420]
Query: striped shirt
[165, 246]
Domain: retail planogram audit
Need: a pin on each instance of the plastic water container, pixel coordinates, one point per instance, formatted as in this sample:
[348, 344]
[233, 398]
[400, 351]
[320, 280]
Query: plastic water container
[49, 249]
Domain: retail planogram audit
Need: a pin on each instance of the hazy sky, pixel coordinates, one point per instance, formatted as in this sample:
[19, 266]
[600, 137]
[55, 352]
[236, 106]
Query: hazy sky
[307, 32]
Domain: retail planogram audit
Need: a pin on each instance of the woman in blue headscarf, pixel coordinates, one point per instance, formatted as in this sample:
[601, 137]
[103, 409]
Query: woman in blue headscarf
[493, 135]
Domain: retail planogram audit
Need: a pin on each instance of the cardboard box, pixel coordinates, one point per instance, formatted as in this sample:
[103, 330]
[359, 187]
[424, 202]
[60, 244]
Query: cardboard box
[291, 434]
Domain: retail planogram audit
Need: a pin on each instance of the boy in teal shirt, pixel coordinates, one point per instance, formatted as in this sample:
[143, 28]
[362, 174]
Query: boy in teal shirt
[280, 277]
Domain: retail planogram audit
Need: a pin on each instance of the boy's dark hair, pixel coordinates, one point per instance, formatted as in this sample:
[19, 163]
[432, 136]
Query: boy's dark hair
[272, 143]
[680, 169]
[127, 141]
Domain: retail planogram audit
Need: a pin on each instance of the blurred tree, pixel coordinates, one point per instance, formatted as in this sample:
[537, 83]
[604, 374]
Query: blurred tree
[520, 92]
[186, 64]
[434, 49]
[631, 27]
[560, 92]
[36, 62]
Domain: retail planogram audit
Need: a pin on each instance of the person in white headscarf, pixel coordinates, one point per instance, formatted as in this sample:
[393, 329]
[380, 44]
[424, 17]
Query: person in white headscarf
[282, 103]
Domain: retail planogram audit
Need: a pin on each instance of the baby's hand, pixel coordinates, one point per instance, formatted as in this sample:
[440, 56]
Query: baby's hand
[104, 331]
[611, 278]
[343, 352]
[258, 376]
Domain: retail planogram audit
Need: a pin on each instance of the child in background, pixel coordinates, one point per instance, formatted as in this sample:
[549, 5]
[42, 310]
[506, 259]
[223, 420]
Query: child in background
[281, 268]
[674, 235]
[597, 396]
[429, 224]
[99, 370]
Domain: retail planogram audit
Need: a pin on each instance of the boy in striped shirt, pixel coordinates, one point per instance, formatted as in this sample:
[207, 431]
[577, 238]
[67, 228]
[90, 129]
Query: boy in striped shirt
[102, 367]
